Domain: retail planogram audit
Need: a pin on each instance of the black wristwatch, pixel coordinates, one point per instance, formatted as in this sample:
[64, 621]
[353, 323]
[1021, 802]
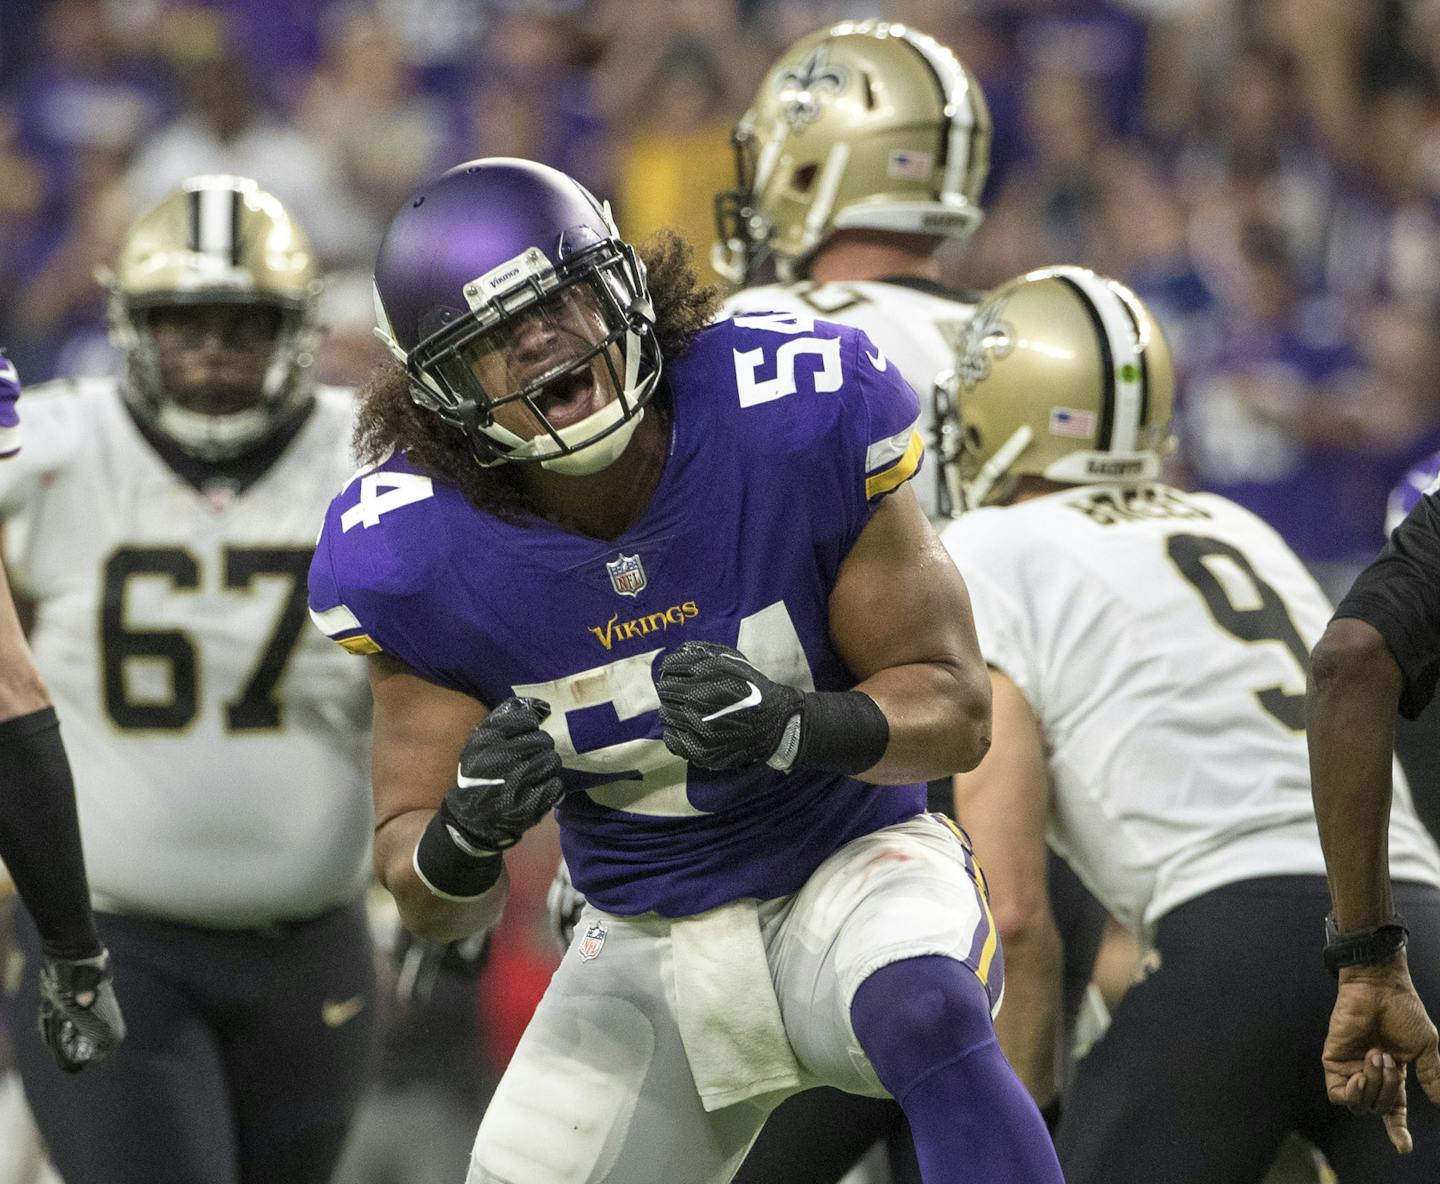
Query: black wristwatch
[1364, 947]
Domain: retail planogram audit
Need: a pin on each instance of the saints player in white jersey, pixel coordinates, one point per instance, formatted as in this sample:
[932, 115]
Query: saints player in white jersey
[163, 525]
[865, 150]
[1148, 650]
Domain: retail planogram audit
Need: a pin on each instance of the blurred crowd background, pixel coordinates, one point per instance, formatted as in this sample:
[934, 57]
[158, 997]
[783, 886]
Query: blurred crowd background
[1265, 172]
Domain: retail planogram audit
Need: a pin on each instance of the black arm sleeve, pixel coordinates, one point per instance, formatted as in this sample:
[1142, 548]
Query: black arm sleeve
[40, 834]
[1399, 594]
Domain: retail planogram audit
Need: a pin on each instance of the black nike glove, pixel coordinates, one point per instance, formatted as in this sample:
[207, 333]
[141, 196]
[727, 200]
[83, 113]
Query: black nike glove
[79, 1015]
[508, 780]
[719, 712]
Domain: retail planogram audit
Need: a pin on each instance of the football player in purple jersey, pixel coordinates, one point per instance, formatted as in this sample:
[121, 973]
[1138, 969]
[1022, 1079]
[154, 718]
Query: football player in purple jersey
[40, 833]
[669, 581]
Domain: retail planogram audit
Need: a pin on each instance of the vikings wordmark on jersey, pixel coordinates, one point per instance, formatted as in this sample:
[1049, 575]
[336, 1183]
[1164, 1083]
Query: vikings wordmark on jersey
[793, 427]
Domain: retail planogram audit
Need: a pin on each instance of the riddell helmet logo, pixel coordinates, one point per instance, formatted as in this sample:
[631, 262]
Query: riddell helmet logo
[627, 575]
[1113, 468]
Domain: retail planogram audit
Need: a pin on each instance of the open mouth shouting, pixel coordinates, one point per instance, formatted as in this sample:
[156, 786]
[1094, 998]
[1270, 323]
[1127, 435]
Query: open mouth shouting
[569, 398]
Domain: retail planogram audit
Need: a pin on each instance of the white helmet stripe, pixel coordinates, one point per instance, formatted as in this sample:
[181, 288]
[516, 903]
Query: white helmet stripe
[1127, 377]
[959, 108]
[214, 214]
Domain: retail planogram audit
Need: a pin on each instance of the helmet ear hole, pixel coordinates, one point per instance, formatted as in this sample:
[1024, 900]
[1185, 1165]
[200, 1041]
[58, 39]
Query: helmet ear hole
[803, 178]
[973, 439]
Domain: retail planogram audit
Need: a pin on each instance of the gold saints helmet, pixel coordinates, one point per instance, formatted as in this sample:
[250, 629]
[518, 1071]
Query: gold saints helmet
[215, 240]
[1062, 374]
[865, 124]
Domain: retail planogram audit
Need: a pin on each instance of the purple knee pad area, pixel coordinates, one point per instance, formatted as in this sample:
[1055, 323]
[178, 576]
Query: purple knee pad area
[925, 1025]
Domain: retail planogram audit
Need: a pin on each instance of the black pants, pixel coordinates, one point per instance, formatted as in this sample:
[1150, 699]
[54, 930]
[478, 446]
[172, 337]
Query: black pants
[245, 1059]
[1215, 1057]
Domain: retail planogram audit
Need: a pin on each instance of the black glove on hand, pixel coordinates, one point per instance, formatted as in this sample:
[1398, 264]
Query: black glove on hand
[509, 779]
[719, 712]
[79, 1015]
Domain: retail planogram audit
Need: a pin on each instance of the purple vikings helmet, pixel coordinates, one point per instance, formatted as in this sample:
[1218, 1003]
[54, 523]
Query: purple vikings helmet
[521, 317]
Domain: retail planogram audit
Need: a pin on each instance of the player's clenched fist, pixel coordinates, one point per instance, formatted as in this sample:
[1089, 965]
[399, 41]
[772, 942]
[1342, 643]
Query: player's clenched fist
[508, 780]
[719, 712]
[79, 1016]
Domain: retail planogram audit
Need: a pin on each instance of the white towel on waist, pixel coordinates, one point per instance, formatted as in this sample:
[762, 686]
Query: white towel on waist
[725, 1003]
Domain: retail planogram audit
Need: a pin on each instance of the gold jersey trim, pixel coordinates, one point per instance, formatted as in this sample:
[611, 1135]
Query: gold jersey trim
[361, 643]
[898, 473]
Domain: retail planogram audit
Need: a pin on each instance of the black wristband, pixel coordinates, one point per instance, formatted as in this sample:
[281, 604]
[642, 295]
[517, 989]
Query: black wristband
[1364, 947]
[448, 871]
[841, 732]
[40, 834]
[1050, 1112]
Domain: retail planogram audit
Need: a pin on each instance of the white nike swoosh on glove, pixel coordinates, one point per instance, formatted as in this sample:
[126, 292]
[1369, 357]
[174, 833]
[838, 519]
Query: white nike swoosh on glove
[739, 705]
[465, 782]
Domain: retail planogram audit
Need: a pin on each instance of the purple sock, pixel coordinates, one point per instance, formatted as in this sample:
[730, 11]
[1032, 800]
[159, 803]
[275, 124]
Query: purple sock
[925, 1025]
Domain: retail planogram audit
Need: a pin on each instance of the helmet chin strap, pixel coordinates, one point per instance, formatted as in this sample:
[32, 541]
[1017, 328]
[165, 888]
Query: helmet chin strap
[600, 455]
[996, 467]
[586, 458]
[212, 437]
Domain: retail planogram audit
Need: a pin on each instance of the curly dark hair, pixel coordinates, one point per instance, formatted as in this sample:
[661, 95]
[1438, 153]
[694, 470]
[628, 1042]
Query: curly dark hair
[388, 418]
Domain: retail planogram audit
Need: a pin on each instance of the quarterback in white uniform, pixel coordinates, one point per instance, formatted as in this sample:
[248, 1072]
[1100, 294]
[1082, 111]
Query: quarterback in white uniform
[163, 525]
[1148, 651]
[865, 149]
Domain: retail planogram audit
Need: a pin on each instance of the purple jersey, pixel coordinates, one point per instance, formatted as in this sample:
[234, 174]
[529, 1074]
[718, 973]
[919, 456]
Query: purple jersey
[786, 434]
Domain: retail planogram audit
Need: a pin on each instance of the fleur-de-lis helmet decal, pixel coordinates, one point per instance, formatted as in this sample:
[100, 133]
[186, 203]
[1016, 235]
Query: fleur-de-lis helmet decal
[800, 89]
[987, 337]
[866, 125]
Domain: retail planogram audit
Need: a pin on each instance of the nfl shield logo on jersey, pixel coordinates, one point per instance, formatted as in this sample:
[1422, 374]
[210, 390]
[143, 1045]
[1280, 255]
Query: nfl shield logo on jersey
[627, 575]
[592, 942]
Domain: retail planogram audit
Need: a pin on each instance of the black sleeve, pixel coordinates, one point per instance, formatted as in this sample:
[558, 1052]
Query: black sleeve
[40, 834]
[1399, 594]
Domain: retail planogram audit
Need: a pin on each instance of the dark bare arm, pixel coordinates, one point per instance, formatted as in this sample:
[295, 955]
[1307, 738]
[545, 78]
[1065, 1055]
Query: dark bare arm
[1379, 1025]
[21, 688]
[1004, 805]
[900, 617]
[1350, 724]
[420, 729]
